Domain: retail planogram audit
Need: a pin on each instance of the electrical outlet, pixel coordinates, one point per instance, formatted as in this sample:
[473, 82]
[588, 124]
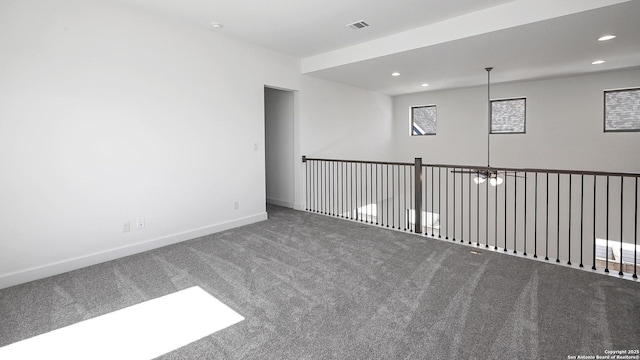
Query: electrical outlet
[140, 223]
[126, 226]
[236, 205]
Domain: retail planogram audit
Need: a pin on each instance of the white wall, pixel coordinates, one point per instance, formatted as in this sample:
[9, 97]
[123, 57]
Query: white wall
[564, 130]
[564, 126]
[279, 159]
[108, 114]
[340, 122]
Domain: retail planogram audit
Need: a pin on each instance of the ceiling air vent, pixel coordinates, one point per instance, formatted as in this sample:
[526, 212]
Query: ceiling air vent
[358, 25]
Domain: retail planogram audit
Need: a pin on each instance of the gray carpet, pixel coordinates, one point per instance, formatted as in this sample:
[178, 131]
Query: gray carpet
[315, 287]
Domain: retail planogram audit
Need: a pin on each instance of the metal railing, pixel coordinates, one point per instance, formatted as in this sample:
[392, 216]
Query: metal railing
[587, 218]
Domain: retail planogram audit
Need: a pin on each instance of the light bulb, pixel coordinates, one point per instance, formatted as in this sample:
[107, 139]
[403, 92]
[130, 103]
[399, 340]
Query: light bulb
[479, 179]
[495, 181]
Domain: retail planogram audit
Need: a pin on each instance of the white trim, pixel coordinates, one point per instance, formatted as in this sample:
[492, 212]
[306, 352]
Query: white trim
[287, 204]
[59, 267]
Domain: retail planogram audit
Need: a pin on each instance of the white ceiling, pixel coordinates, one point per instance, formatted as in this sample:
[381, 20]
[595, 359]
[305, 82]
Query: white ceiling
[303, 28]
[557, 47]
[441, 42]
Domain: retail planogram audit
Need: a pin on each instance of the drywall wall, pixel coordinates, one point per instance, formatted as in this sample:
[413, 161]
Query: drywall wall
[340, 122]
[564, 130]
[564, 126]
[279, 160]
[109, 114]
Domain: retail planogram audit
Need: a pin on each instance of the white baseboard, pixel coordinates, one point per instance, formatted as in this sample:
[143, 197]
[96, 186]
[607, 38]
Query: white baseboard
[286, 204]
[59, 267]
[300, 207]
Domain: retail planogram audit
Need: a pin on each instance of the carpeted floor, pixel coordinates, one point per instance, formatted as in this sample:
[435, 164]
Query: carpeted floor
[315, 287]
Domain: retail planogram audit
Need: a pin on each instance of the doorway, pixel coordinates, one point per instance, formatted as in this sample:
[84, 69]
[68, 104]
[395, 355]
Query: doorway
[279, 155]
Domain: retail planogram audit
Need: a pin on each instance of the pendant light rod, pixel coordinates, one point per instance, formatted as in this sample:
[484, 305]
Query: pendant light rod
[488, 115]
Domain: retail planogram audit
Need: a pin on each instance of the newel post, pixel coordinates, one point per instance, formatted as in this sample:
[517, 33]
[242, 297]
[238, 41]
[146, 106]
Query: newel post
[417, 212]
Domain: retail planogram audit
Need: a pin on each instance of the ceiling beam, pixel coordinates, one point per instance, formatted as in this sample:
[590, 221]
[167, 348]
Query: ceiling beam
[508, 15]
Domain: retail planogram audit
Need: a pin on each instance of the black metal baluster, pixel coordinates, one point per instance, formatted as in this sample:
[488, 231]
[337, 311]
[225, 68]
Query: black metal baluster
[432, 209]
[535, 219]
[515, 210]
[311, 187]
[343, 166]
[526, 176]
[387, 195]
[363, 183]
[325, 177]
[356, 208]
[477, 214]
[326, 187]
[319, 175]
[461, 207]
[595, 178]
[635, 234]
[308, 185]
[546, 250]
[486, 213]
[370, 202]
[495, 219]
[446, 204]
[558, 224]
[412, 195]
[506, 181]
[382, 195]
[469, 182]
[570, 183]
[425, 201]
[621, 220]
[393, 198]
[370, 218]
[322, 167]
[351, 192]
[335, 194]
[376, 198]
[399, 198]
[439, 203]
[606, 264]
[581, 215]
[454, 205]
[404, 183]
[366, 192]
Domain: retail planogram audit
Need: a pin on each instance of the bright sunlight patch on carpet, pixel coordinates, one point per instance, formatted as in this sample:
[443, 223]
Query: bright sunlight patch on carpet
[140, 332]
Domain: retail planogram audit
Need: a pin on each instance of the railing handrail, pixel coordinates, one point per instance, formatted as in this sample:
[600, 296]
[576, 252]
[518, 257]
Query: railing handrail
[359, 161]
[487, 168]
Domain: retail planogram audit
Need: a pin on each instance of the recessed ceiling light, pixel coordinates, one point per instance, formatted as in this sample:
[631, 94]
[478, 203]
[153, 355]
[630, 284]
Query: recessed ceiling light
[425, 85]
[606, 37]
[395, 74]
[216, 25]
[598, 62]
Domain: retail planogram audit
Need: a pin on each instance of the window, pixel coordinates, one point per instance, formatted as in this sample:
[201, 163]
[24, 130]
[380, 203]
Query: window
[508, 116]
[622, 110]
[423, 120]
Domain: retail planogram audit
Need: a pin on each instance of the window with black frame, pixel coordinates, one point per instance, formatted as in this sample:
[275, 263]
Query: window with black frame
[622, 110]
[423, 120]
[508, 116]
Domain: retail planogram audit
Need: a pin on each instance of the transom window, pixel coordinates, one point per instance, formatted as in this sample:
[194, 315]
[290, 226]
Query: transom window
[508, 116]
[622, 110]
[423, 120]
